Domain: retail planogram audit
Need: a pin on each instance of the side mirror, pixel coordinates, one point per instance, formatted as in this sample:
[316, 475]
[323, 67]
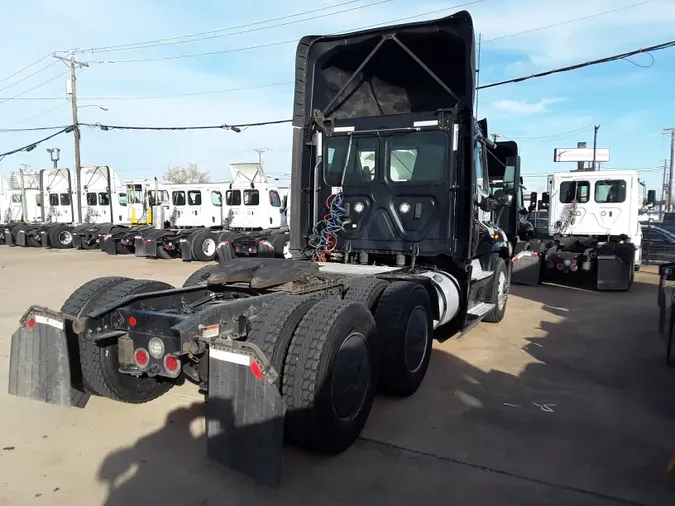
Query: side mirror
[651, 197]
[505, 200]
[545, 199]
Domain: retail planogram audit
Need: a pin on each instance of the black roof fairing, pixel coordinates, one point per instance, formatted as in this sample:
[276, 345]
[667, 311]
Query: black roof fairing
[392, 81]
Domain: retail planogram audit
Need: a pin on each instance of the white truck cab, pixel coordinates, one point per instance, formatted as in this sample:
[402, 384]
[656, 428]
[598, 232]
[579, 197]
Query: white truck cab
[195, 205]
[251, 202]
[596, 203]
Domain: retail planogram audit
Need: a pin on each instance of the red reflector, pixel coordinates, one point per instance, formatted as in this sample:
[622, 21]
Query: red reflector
[141, 357]
[261, 243]
[171, 363]
[132, 321]
[255, 369]
[515, 259]
[30, 323]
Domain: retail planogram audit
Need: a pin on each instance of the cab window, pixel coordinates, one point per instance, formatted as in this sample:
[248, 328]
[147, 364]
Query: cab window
[16, 199]
[194, 198]
[419, 157]
[53, 199]
[91, 199]
[65, 199]
[275, 201]
[575, 190]
[216, 198]
[178, 198]
[251, 197]
[611, 190]
[233, 197]
[122, 199]
[361, 165]
[103, 199]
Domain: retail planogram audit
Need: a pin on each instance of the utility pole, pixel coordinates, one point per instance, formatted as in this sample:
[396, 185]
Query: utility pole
[671, 131]
[72, 64]
[663, 186]
[595, 143]
[260, 152]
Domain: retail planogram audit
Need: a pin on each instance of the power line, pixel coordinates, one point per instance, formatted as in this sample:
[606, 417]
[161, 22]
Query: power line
[25, 68]
[291, 41]
[36, 116]
[569, 21]
[246, 29]
[33, 88]
[33, 145]
[657, 47]
[28, 76]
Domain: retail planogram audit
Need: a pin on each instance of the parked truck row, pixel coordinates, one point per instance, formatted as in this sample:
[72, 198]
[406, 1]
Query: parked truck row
[56, 208]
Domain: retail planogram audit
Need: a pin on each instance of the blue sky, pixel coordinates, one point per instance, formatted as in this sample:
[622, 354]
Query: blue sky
[631, 103]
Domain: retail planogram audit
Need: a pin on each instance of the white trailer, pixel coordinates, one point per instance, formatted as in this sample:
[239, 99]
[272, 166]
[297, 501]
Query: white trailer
[593, 229]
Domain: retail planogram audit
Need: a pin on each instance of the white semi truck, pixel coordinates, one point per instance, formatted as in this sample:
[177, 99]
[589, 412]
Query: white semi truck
[593, 229]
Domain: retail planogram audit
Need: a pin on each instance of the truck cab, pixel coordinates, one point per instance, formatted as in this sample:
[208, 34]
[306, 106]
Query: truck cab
[251, 202]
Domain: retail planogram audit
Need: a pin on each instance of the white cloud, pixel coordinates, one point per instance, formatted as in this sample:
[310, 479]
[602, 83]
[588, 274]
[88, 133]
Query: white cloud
[522, 107]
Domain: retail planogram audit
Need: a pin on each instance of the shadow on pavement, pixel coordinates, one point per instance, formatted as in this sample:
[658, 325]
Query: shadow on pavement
[579, 412]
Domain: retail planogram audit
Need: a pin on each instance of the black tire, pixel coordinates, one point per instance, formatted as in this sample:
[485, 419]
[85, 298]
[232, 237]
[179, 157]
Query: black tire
[273, 327]
[79, 302]
[365, 290]
[279, 243]
[199, 275]
[198, 242]
[162, 253]
[100, 365]
[61, 237]
[329, 400]
[497, 313]
[405, 323]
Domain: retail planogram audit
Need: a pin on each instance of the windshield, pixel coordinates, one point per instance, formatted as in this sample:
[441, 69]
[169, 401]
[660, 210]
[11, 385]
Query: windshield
[361, 166]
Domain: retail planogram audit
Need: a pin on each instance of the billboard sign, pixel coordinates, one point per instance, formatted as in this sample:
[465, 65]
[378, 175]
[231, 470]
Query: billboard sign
[580, 155]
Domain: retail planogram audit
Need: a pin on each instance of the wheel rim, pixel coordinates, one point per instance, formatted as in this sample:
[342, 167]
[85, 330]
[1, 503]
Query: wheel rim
[351, 376]
[209, 247]
[287, 250]
[416, 339]
[65, 237]
[502, 291]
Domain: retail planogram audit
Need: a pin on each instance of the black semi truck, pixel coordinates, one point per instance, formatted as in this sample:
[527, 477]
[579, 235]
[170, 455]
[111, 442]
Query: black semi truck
[393, 234]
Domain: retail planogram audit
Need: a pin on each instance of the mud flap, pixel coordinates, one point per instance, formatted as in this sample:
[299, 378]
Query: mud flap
[225, 252]
[107, 244]
[615, 267]
[185, 250]
[245, 413]
[526, 268]
[139, 246]
[9, 238]
[39, 361]
[21, 238]
[151, 248]
[77, 241]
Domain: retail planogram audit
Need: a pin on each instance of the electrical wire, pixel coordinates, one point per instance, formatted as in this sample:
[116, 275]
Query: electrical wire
[33, 145]
[36, 116]
[249, 30]
[283, 42]
[34, 87]
[30, 75]
[569, 21]
[25, 68]
[140, 45]
[657, 47]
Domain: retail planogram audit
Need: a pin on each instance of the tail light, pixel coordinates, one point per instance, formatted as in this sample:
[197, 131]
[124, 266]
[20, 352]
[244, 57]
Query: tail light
[172, 365]
[141, 358]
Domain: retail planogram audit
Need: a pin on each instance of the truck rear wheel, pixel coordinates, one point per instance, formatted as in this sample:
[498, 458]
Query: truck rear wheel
[204, 246]
[281, 244]
[499, 292]
[330, 376]
[79, 302]
[273, 327]
[61, 237]
[199, 275]
[366, 290]
[405, 323]
[100, 365]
